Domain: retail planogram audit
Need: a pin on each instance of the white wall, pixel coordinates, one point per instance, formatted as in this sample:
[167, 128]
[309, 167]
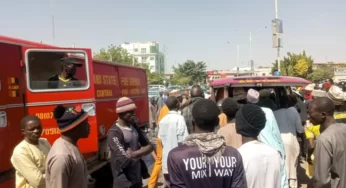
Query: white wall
[145, 56]
[263, 71]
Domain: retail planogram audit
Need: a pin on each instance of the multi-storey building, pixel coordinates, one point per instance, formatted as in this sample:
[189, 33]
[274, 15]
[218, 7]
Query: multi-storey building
[148, 53]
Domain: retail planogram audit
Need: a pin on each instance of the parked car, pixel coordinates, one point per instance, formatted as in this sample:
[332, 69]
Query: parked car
[154, 92]
[156, 86]
[280, 85]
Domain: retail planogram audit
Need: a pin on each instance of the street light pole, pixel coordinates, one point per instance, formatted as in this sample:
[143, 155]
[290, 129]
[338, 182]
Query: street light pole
[278, 45]
[237, 59]
[250, 43]
[53, 21]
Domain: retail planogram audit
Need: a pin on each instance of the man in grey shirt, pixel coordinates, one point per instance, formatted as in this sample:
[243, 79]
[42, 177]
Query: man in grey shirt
[65, 165]
[330, 149]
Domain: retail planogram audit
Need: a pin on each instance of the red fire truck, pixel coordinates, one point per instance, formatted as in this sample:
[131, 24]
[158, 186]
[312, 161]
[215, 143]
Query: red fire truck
[24, 89]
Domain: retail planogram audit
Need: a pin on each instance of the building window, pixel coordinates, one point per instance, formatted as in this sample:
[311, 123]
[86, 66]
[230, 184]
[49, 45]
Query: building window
[153, 49]
[135, 50]
[152, 58]
[143, 50]
[144, 59]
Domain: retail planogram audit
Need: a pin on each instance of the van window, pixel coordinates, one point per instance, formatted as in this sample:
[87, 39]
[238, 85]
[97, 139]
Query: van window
[56, 70]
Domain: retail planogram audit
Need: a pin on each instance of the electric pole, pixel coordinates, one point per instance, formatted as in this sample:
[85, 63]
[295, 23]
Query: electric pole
[277, 38]
[53, 21]
[238, 60]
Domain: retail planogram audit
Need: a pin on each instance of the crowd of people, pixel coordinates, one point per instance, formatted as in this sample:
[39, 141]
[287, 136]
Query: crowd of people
[247, 140]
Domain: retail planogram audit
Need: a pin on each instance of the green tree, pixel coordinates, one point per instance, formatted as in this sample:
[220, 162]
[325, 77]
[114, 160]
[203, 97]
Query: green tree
[289, 62]
[155, 78]
[189, 72]
[115, 54]
[179, 79]
[322, 72]
[119, 55]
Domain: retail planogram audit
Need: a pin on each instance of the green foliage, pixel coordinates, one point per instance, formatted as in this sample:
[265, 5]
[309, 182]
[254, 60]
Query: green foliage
[299, 65]
[322, 72]
[179, 79]
[189, 73]
[155, 78]
[115, 54]
[119, 55]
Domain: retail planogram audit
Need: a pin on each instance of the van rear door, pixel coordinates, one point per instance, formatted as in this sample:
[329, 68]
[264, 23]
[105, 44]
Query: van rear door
[59, 76]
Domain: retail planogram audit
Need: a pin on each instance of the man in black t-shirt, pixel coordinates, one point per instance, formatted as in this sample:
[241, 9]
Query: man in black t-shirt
[203, 160]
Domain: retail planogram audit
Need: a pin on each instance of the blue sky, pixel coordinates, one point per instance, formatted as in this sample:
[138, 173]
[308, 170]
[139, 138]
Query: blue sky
[195, 29]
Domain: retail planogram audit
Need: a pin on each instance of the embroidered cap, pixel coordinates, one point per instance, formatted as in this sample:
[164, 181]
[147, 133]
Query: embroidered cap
[69, 117]
[175, 93]
[336, 95]
[252, 96]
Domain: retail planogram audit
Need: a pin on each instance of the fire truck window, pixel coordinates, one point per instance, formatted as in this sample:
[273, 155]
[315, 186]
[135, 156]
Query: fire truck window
[56, 71]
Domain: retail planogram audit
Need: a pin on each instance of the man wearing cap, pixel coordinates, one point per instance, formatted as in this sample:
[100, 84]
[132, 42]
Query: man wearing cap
[337, 96]
[66, 77]
[65, 167]
[203, 160]
[262, 163]
[270, 134]
[127, 144]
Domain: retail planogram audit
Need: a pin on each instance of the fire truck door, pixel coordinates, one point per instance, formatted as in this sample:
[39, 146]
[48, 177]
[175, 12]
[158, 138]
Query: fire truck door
[60, 76]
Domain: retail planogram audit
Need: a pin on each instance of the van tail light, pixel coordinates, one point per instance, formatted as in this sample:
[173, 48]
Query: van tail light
[90, 108]
[3, 119]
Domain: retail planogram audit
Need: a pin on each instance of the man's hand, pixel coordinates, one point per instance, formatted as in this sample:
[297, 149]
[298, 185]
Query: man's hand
[132, 154]
[309, 160]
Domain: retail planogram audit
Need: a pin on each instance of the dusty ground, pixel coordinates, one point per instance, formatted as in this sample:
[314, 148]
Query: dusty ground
[303, 180]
